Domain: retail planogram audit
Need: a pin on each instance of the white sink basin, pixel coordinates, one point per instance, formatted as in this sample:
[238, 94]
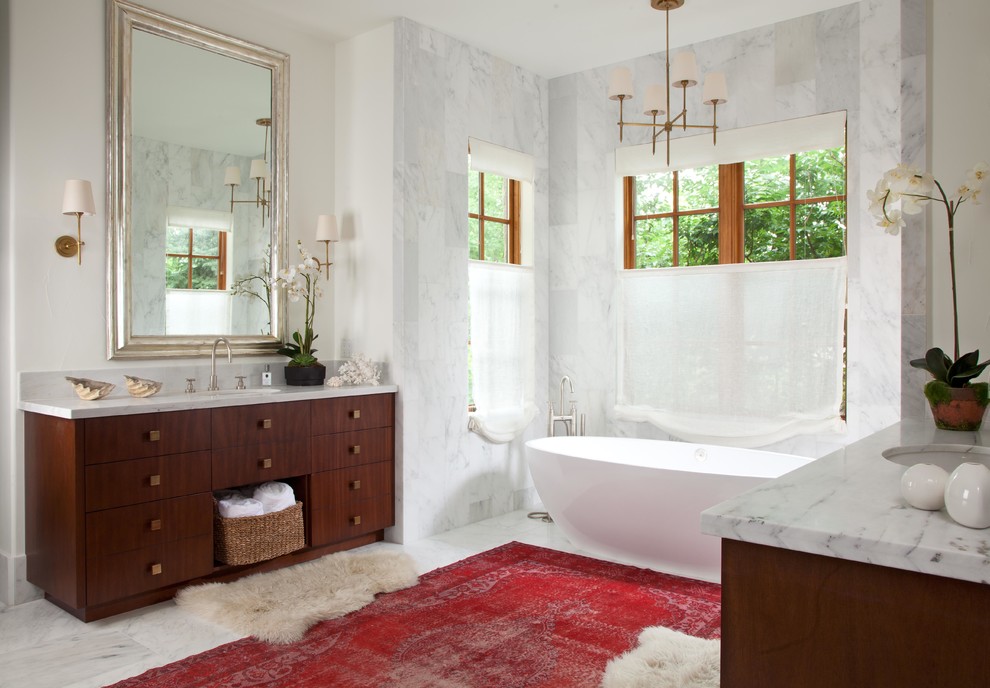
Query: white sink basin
[948, 456]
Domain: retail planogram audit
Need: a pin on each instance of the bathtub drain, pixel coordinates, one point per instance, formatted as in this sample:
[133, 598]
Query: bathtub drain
[540, 516]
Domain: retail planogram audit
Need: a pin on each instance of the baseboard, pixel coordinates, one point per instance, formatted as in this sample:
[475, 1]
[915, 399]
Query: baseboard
[14, 587]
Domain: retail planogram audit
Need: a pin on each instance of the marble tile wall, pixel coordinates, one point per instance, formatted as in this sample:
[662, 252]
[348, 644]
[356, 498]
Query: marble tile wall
[446, 91]
[865, 58]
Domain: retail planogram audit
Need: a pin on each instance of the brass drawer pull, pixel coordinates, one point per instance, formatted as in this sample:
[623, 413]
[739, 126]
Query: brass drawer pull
[265, 463]
[156, 569]
[154, 435]
[355, 484]
[355, 520]
[355, 414]
[156, 524]
[356, 449]
[266, 424]
[155, 480]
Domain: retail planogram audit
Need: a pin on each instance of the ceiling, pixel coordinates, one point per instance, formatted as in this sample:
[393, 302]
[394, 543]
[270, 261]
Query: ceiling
[549, 37]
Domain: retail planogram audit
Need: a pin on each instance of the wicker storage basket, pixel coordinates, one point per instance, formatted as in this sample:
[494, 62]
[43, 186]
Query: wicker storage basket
[250, 539]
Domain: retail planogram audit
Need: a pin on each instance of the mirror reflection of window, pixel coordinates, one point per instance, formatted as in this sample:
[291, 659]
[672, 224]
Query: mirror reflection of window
[195, 258]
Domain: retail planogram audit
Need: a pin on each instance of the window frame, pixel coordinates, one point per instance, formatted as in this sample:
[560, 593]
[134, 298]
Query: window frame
[514, 208]
[221, 258]
[731, 211]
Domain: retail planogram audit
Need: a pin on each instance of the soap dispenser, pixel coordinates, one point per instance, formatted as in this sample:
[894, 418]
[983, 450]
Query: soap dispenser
[266, 377]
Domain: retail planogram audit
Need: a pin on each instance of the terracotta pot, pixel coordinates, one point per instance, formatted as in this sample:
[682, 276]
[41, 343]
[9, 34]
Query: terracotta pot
[963, 412]
[305, 375]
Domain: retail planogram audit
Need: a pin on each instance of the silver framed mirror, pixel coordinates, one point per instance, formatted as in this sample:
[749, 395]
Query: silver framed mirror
[197, 188]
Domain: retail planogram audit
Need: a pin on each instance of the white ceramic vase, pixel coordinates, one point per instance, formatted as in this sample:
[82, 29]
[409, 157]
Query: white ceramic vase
[967, 495]
[923, 486]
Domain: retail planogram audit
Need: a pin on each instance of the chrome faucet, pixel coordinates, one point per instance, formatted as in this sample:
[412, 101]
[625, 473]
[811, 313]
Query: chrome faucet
[570, 421]
[214, 387]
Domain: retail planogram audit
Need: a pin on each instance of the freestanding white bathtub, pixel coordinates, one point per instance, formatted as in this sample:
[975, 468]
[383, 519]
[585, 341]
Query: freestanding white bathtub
[640, 501]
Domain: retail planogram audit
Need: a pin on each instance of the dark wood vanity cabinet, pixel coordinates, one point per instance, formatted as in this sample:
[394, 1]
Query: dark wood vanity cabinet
[119, 509]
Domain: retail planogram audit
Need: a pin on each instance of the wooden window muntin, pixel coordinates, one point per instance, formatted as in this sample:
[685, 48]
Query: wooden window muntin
[220, 257]
[511, 223]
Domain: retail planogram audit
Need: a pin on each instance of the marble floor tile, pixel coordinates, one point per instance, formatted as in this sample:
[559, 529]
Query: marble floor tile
[42, 646]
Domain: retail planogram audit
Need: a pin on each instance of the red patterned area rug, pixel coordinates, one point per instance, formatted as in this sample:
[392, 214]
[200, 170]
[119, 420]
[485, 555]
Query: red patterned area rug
[517, 616]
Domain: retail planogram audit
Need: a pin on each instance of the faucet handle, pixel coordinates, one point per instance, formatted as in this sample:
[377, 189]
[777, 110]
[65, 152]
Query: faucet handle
[240, 382]
[190, 388]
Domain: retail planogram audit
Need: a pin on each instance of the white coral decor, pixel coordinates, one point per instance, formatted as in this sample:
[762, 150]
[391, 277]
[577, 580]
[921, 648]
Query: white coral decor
[357, 371]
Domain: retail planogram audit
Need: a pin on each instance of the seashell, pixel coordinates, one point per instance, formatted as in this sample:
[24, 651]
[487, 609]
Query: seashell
[90, 390]
[140, 387]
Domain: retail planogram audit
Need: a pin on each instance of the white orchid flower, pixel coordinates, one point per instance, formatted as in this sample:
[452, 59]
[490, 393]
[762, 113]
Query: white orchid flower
[892, 222]
[976, 176]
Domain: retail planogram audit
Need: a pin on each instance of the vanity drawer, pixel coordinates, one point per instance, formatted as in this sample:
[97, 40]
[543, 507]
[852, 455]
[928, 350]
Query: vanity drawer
[344, 414]
[342, 521]
[353, 448]
[237, 426]
[147, 434]
[144, 525]
[110, 485]
[128, 573]
[352, 485]
[260, 463]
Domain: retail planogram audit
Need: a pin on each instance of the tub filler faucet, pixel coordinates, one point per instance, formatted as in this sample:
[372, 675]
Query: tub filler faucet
[570, 421]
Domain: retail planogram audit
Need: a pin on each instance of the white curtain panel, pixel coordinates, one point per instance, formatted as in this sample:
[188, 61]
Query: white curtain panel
[743, 354]
[503, 365]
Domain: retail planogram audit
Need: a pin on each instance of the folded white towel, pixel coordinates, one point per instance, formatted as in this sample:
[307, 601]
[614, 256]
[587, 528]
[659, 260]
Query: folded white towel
[236, 506]
[274, 496]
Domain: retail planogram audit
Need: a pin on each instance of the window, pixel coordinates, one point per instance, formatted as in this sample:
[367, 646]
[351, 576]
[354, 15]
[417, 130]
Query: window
[195, 258]
[501, 342]
[789, 207]
[493, 218]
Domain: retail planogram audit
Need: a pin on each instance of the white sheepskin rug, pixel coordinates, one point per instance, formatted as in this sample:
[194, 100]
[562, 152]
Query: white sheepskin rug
[666, 659]
[278, 607]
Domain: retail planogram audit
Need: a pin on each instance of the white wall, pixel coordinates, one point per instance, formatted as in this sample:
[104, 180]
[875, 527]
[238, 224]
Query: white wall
[55, 130]
[960, 101]
[363, 144]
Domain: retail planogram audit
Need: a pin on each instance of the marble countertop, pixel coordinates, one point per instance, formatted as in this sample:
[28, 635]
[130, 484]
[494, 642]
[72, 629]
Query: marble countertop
[122, 405]
[848, 505]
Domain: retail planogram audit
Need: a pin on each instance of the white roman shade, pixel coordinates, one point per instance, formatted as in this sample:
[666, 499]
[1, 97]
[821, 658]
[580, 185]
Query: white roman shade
[505, 162]
[503, 365]
[745, 354]
[199, 218]
[737, 145]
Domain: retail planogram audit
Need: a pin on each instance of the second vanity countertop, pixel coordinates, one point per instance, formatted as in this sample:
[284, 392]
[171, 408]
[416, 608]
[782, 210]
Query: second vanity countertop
[848, 505]
[73, 407]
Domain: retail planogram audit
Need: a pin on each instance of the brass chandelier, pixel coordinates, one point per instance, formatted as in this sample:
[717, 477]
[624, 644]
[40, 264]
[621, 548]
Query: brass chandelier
[682, 74]
[259, 172]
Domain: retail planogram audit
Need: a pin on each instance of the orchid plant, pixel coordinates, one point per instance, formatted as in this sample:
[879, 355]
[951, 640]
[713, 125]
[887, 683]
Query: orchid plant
[301, 281]
[914, 190]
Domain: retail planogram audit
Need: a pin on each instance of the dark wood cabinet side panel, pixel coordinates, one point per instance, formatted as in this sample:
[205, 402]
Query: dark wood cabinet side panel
[121, 483]
[344, 414]
[54, 499]
[796, 619]
[152, 523]
[238, 426]
[355, 448]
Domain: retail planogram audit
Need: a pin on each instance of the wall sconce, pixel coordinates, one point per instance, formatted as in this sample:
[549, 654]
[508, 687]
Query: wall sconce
[76, 200]
[326, 231]
[259, 172]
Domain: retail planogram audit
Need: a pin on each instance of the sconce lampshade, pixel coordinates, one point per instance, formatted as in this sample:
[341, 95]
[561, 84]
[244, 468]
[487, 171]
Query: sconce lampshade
[232, 175]
[78, 198]
[326, 228]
